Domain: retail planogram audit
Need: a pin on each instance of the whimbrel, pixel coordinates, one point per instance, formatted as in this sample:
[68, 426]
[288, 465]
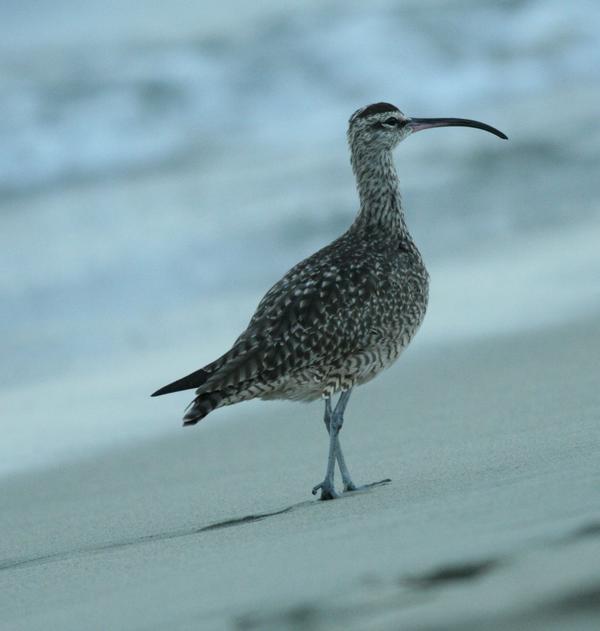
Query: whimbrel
[342, 315]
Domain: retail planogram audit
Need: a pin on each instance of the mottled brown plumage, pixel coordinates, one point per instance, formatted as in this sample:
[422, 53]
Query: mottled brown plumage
[342, 315]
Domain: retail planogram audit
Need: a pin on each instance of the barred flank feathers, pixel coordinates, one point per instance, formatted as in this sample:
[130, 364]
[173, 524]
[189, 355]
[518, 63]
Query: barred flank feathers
[201, 406]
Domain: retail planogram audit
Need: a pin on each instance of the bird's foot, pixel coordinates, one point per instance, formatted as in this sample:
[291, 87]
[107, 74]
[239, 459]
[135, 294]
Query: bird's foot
[328, 491]
[350, 487]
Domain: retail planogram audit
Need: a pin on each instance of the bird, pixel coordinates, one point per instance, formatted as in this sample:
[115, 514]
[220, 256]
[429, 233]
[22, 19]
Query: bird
[339, 317]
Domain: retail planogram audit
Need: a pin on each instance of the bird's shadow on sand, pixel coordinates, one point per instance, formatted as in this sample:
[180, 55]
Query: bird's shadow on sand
[20, 562]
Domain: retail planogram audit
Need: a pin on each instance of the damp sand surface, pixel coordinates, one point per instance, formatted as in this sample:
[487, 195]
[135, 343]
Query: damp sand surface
[491, 519]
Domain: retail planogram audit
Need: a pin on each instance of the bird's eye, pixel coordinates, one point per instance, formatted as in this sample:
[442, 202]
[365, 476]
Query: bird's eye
[391, 121]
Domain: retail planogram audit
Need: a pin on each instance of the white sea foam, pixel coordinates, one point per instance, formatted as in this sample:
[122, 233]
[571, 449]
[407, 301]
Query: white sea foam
[134, 105]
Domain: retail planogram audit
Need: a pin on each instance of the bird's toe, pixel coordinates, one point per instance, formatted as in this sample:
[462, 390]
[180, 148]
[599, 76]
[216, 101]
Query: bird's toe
[328, 491]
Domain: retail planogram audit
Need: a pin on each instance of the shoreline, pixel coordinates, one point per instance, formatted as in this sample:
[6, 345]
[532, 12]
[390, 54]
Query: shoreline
[492, 450]
[477, 296]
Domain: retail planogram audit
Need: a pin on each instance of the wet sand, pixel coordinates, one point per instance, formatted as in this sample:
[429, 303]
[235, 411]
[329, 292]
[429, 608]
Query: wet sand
[491, 520]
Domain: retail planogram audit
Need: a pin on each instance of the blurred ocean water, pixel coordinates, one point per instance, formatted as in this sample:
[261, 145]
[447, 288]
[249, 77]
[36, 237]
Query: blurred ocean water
[72, 112]
[159, 171]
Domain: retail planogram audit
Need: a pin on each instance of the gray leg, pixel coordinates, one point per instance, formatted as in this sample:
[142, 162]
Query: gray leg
[336, 420]
[327, 415]
[346, 479]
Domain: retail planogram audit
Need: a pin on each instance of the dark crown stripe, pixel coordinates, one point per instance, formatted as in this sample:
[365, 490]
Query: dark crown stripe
[377, 108]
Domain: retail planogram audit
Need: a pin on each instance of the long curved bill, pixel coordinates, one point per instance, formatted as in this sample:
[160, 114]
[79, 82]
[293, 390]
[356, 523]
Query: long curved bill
[417, 124]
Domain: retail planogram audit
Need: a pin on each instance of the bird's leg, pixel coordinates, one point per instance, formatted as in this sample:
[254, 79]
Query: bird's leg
[334, 421]
[327, 487]
[346, 479]
[327, 415]
[338, 415]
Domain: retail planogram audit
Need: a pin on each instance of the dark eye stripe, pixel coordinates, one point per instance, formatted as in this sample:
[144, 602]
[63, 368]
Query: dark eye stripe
[388, 122]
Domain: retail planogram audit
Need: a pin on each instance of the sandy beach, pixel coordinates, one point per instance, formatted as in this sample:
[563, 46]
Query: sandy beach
[491, 520]
[159, 171]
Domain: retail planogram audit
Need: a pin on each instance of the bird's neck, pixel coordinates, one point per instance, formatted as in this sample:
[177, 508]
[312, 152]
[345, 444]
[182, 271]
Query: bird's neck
[379, 191]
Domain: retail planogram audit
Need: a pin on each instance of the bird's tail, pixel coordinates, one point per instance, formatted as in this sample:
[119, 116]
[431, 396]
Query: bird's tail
[203, 405]
[193, 380]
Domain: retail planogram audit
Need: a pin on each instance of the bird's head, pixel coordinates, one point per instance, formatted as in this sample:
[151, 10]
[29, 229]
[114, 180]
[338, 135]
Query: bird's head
[381, 126]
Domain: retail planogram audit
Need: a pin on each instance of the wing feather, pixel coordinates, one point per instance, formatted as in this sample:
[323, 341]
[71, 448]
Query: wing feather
[313, 315]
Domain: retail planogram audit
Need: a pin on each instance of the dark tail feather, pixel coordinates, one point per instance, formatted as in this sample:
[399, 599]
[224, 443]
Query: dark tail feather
[201, 406]
[194, 380]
